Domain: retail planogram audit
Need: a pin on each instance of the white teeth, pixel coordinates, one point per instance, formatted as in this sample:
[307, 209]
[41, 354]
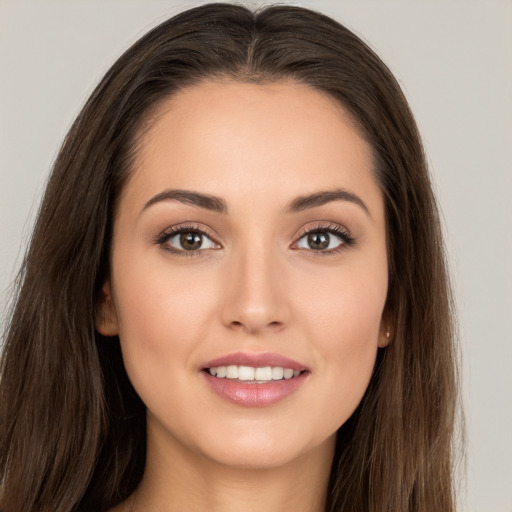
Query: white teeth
[245, 373]
[263, 373]
[277, 373]
[232, 372]
[248, 373]
[288, 373]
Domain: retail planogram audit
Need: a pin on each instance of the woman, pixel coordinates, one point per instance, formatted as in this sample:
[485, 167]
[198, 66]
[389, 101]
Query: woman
[235, 295]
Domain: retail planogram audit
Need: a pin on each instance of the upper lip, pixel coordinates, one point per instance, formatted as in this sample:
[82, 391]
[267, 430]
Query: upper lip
[255, 361]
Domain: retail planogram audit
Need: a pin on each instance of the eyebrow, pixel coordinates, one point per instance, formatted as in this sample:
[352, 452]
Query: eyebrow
[218, 205]
[206, 201]
[323, 197]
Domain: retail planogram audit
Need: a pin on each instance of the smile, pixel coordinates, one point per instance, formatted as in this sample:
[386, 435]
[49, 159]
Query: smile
[250, 374]
[254, 380]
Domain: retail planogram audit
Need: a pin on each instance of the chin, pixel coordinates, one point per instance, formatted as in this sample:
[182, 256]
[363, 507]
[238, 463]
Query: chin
[254, 458]
[265, 447]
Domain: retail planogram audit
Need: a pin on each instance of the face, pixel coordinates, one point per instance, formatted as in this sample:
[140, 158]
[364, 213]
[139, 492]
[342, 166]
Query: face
[249, 245]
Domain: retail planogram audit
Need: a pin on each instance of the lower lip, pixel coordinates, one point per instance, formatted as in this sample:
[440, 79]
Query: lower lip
[254, 395]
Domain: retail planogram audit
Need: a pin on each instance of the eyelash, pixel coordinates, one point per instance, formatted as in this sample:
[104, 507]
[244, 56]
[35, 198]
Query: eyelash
[338, 231]
[164, 237]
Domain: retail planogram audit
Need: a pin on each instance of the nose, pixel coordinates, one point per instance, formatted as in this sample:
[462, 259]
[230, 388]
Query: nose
[255, 294]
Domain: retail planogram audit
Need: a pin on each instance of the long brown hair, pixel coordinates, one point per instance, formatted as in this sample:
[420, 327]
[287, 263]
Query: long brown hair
[72, 429]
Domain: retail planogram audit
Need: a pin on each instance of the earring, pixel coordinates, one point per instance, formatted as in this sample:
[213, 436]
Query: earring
[101, 331]
[384, 342]
[100, 323]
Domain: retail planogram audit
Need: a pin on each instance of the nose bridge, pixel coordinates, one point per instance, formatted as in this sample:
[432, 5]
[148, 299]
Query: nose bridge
[254, 298]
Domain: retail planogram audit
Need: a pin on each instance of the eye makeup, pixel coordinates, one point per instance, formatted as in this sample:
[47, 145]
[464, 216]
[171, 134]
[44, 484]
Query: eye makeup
[191, 239]
[321, 235]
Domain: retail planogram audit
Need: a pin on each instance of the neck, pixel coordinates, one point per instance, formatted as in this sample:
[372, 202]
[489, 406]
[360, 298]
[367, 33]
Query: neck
[176, 480]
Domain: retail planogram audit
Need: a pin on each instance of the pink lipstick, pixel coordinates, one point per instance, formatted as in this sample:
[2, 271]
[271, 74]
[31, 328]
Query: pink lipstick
[254, 380]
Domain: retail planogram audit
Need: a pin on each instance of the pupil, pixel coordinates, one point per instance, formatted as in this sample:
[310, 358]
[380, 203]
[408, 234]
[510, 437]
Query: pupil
[318, 240]
[191, 241]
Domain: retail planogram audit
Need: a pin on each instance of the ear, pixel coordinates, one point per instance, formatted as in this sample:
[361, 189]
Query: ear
[106, 317]
[386, 333]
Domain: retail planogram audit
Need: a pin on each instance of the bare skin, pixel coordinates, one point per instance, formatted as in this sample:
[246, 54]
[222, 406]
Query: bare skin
[258, 270]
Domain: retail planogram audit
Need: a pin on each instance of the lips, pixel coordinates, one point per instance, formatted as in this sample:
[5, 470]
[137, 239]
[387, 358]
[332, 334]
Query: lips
[255, 361]
[254, 380]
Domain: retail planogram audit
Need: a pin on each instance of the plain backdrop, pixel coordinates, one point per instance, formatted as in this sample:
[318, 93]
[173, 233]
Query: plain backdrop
[454, 62]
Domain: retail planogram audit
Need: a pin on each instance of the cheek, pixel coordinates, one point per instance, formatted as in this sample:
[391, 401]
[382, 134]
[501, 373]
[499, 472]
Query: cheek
[162, 317]
[155, 299]
[345, 305]
[343, 317]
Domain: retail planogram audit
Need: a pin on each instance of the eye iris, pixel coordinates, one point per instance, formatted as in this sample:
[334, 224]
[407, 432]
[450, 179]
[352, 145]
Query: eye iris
[318, 241]
[191, 241]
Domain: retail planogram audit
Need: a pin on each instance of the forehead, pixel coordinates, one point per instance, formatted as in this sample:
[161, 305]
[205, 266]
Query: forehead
[269, 140]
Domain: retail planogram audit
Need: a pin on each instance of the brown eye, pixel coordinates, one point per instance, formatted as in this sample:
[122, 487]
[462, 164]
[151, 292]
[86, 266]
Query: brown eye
[318, 241]
[191, 241]
[187, 240]
[327, 240]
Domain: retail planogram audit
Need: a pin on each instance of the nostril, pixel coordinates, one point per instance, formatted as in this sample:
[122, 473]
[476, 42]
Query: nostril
[255, 328]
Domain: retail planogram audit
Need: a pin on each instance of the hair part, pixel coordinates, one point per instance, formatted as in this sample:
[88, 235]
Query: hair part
[72, 430]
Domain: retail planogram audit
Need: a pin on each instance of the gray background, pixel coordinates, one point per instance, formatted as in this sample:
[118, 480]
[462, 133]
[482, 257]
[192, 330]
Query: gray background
[454, 61]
